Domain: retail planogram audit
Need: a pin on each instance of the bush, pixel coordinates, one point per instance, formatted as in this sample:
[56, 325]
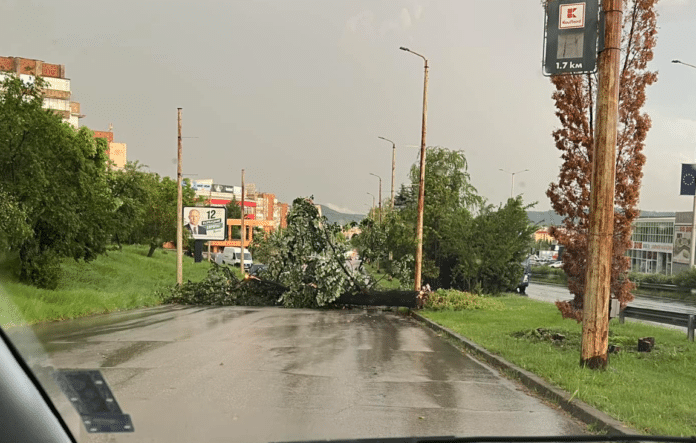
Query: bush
[444, 299]
[41, 269]
[686, 279]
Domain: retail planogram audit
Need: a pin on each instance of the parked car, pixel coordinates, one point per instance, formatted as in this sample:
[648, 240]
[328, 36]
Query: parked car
[556, 264]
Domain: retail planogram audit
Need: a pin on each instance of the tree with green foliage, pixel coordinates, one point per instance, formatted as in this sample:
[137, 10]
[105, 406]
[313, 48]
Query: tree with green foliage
[307, 260]
[13, 225]
[485, 251]
[466, 244]
[58, 177]
[160, 219]
[129, 186]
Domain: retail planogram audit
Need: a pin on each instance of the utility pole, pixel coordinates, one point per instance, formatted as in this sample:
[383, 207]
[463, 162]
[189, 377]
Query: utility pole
[243, 228]
[421, 187]
[595, 318]
[179, 208]
[692, 250]
[380, 196]
[393, 168]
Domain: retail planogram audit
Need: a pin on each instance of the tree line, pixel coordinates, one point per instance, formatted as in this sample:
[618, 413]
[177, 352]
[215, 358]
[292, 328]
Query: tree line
[468, 244]
[60, 196]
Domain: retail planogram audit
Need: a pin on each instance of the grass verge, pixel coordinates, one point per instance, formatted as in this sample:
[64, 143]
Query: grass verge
[384, 281]
[651, 392]
[119, 280]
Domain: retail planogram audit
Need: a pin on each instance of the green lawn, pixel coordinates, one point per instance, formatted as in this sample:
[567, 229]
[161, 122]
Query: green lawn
[652, 392]
[116, 281]
[384, 282]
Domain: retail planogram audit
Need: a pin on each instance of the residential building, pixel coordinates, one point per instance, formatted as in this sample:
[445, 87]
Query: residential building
[117, 152]
[57, 92]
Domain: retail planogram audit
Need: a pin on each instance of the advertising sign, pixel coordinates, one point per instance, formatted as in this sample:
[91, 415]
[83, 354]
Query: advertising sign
[570, 39]
[205, 223]
[682, 244]
[229, 189]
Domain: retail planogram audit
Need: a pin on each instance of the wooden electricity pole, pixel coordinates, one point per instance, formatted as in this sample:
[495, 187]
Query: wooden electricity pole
[595, 317]
[179, 209]
[243, 228]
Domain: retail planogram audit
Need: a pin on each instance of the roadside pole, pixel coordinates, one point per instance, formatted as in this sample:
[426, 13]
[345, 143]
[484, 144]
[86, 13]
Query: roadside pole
[179, 209]
[243, 233]
[595, 322]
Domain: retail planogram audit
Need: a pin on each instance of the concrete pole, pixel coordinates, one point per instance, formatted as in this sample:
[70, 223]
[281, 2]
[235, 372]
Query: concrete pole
[595, 321]
[421, 183]
[380, 196]
[693, 213]
[393, 169]
[243, 229]
[179, 208]
[693, 237]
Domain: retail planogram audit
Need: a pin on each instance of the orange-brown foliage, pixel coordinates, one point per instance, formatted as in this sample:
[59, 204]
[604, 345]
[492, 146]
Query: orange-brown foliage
[570, 197]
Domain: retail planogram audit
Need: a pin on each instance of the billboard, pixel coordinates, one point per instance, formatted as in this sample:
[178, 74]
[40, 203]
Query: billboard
[205, 223]
[227, 189]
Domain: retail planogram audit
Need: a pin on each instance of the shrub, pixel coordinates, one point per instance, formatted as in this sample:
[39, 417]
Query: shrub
[443, 299]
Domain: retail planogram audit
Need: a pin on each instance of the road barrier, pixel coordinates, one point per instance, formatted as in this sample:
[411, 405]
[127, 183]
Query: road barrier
[682, 319]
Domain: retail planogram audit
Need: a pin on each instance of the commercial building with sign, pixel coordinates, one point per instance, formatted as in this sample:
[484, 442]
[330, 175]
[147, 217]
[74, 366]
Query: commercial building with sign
[653, 245]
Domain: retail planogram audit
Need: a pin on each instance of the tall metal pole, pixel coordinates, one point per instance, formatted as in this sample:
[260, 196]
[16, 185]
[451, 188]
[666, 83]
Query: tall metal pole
[179, 208]
[373, 203]
[380, 196]
[512, 180]
[393, 168]
[692, 252]
[421, 183]
[595, 318]
[243, 228]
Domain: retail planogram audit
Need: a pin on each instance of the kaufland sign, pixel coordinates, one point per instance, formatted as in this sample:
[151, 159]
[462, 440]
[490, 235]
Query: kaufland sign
[572, 15]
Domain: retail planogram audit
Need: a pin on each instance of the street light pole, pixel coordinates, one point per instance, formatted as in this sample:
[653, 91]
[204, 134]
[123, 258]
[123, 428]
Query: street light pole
[373, 202]
[693, 211]
[393, 168]
[421, 187]
[380, 196]
[512, 184]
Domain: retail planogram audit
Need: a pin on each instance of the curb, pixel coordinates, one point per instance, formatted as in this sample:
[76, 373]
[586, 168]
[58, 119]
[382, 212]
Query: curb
[576, 408]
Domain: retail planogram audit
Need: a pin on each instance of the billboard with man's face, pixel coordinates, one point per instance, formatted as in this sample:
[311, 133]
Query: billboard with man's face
[205, 223]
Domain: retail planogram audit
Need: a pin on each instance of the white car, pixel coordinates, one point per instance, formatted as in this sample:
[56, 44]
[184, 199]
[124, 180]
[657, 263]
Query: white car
[556, 264]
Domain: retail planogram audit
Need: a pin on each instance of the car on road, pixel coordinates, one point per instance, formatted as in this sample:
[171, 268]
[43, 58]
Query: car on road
[556, 264]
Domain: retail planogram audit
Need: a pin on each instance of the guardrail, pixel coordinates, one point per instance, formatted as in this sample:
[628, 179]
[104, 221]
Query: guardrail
[674, 318]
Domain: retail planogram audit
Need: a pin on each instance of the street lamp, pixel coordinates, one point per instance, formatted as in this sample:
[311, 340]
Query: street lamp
[421, 188]
[512, 175]
[373, 201]
[693, 213]
[380, 196]
[393, 168]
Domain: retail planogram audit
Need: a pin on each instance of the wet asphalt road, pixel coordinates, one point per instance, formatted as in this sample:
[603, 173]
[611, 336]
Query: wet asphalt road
[552, 293]
[271, 374]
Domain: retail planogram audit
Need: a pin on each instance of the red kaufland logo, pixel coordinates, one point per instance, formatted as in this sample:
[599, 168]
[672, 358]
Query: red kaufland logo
[572, 16]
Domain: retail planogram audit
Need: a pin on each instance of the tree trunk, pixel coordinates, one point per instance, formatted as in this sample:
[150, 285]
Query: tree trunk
[153, 248]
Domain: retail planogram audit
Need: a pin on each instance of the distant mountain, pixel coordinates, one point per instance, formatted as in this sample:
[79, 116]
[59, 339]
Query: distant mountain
[340, 218]
[548, 218]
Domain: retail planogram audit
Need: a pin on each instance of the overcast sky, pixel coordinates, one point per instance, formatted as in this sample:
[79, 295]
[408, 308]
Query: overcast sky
[297, 92]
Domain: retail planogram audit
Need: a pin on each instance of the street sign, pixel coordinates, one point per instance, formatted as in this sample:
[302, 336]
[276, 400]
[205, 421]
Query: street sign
[688, 179]
[570, 37]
